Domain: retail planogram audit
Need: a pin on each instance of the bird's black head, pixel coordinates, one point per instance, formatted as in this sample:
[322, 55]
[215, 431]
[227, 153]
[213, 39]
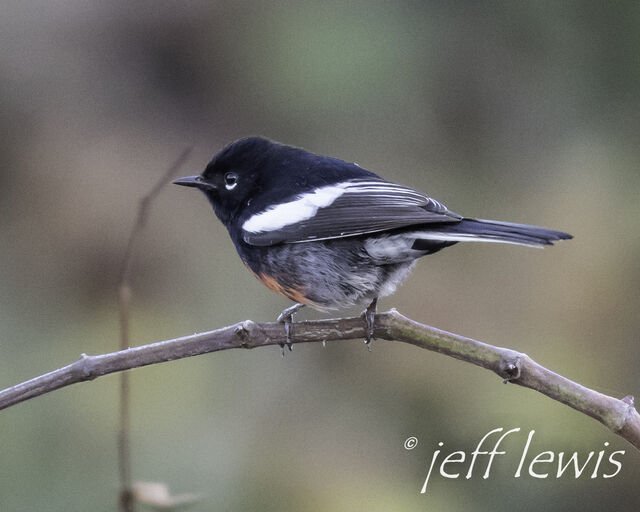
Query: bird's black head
[233, 176]
[254, 174]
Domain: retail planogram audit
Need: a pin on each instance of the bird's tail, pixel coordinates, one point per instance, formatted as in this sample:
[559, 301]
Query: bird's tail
[480, 230]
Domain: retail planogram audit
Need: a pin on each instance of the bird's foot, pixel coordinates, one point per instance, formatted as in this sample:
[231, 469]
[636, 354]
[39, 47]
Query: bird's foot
[369, 316]
[286, 317]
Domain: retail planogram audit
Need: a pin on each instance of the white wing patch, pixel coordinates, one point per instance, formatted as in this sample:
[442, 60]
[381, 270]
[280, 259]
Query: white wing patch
[306, 205]
[302, 208]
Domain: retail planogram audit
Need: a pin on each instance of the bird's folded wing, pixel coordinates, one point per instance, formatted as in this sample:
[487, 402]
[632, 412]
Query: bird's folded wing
[345, 209]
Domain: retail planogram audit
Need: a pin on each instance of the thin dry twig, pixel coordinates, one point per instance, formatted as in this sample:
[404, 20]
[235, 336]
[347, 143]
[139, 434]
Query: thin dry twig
[620, 416]
[124, 297]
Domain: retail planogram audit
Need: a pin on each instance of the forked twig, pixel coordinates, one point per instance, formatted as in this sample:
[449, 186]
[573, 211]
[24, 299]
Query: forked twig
[124, 297]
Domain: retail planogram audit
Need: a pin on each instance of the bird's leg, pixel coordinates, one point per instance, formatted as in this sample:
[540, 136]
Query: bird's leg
[286, 317]
[369, 315]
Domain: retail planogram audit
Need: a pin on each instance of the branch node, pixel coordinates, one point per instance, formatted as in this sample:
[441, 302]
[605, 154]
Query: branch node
[244, 332]
[84, 367]
[510, 368]
[630, 413]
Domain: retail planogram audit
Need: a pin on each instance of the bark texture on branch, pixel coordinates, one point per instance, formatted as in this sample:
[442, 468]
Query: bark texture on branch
[619, 415]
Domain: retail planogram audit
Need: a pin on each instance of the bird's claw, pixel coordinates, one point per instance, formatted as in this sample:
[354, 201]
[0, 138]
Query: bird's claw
[369, 315]
[286, 318]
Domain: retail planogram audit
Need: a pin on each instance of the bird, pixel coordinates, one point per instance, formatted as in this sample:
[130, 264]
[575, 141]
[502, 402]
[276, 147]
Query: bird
[329, 234]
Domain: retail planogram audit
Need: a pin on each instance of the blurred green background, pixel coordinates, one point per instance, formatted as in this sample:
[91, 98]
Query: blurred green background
[520, 111]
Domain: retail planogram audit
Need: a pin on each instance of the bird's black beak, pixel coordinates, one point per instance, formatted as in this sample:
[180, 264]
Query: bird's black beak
[196, 181]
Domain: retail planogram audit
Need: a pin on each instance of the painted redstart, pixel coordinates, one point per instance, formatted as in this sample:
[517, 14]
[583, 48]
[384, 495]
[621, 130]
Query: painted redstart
[329, 234]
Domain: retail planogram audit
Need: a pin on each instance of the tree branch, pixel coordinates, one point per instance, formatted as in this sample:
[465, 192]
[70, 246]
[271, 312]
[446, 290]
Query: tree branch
[620, 416]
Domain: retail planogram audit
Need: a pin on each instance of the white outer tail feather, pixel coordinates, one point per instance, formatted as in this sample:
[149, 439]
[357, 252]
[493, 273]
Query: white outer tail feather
[461, 237]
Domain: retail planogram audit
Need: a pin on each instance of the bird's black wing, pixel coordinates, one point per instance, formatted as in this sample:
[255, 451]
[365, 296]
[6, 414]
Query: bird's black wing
[345, 209]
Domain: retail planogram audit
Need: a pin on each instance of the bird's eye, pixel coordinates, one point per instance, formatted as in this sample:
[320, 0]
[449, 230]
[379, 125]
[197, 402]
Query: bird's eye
[230, 180]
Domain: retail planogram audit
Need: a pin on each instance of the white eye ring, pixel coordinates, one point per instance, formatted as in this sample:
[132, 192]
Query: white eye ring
[230, 180]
